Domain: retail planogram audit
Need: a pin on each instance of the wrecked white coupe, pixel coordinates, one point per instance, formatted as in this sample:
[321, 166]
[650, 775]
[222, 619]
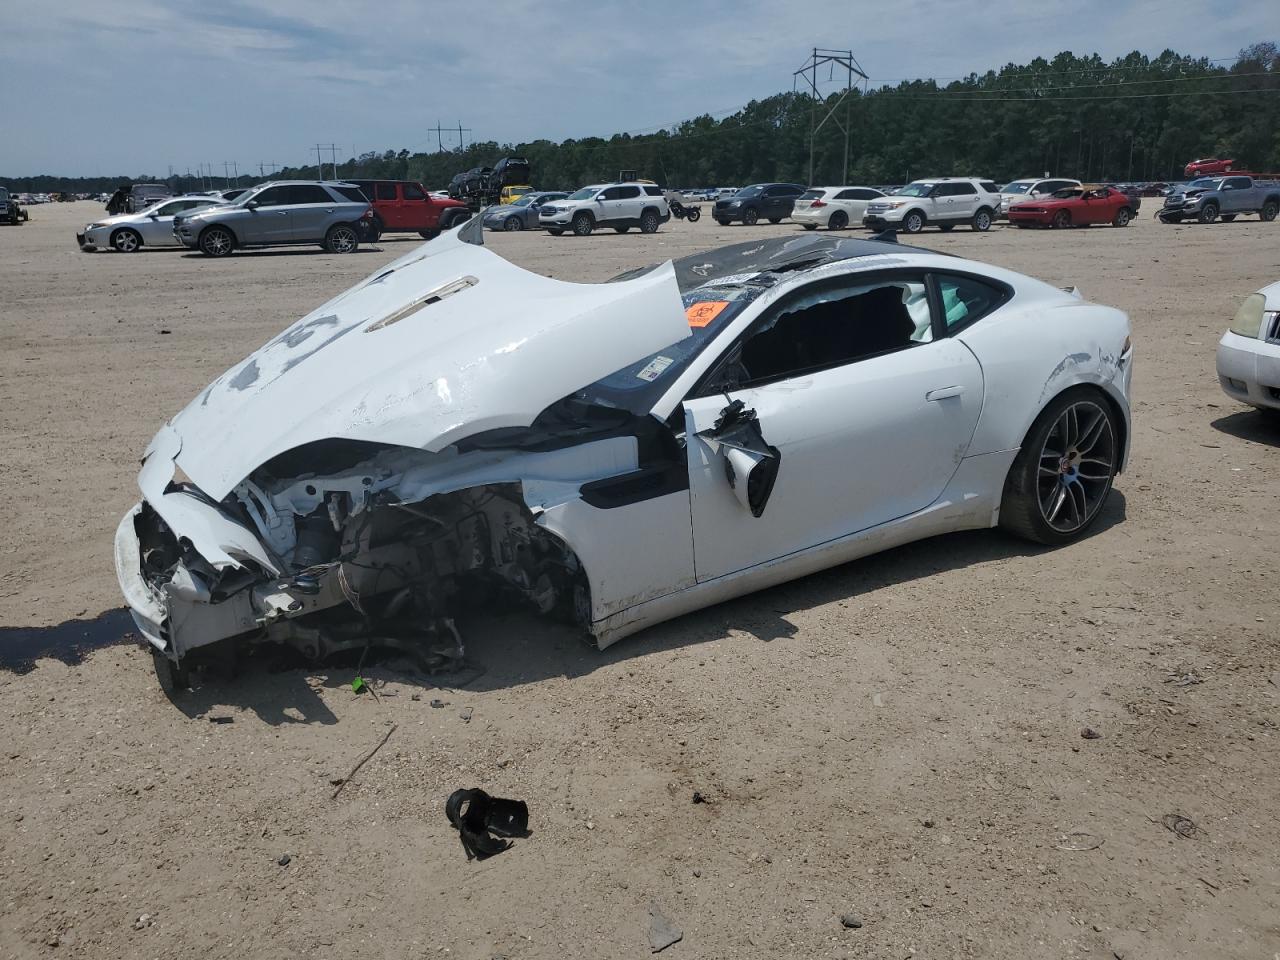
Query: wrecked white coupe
[456, 431]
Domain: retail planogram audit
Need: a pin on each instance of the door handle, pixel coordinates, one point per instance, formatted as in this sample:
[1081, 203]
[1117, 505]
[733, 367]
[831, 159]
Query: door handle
[944, 393]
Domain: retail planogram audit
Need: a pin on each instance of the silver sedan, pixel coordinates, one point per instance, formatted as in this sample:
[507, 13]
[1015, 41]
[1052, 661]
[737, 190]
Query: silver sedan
[152, 227]
[521, 215]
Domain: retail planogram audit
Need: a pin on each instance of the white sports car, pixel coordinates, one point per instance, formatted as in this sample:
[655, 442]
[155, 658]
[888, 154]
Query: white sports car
[456, 430]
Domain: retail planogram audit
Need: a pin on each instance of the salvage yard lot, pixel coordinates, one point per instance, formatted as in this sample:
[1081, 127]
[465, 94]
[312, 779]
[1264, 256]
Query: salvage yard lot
[899, 738]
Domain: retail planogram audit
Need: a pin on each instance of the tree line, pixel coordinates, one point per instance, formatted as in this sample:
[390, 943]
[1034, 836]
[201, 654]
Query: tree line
[1133, 119]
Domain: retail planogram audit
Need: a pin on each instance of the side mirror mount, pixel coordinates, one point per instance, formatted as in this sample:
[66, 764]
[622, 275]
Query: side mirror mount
[599, 198]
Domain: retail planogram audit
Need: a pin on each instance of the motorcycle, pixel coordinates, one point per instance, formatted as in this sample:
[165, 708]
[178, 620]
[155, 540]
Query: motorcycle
[682, 212]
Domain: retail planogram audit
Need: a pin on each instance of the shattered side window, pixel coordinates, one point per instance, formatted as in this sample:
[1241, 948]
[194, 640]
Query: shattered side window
[637, 386]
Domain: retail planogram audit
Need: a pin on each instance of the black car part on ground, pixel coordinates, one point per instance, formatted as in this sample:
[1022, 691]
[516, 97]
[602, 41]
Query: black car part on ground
[477, 817]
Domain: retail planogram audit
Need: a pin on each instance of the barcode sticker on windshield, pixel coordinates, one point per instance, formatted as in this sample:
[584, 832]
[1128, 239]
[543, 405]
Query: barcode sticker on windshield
[701, 314]
[653, 369]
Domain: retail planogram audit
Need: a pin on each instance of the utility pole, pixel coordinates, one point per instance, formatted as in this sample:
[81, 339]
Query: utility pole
[845, 60]
[439, 132]
[462, 143]
[333, 153]
[262, 164]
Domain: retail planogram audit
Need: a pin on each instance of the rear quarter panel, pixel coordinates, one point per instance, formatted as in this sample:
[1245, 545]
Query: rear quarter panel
[1033, 349]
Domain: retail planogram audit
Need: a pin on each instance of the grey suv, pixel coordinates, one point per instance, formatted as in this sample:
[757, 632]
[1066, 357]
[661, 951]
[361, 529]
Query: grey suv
[334, 215]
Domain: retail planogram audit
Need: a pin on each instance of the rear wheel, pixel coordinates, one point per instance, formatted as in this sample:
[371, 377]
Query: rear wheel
[775, 219]
[693, 214]
[1209, 213]
[750, 216]
[809, 226]
[126, 241]
[946, 227]
[1061, 219]
[982, 221]
[621, 229]
[839, 220]
[342, 238]
[1122, 217]
[428, 234]
[512, 224]
[1269, 210]
[217, 242]
[583, 224]
[649, 222]
[1063, 473]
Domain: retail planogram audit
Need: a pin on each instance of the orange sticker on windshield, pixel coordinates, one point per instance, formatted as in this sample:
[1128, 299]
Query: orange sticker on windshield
[701, 314]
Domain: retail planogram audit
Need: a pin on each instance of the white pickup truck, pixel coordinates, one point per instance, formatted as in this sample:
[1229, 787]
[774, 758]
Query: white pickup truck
[1210, 198]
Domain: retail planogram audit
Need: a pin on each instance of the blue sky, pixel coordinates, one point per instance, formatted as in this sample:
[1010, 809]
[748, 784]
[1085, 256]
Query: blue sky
[132, 86]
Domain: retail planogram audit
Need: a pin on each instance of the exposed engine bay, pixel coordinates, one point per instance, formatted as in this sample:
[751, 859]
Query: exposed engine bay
[358, 563]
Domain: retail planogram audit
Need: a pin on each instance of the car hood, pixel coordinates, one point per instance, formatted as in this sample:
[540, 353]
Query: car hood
[446, 342]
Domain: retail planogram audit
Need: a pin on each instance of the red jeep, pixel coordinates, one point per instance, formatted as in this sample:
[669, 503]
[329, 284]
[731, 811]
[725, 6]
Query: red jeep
[404, 206]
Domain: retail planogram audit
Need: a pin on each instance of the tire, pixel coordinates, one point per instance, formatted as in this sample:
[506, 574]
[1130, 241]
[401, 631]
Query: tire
[1047, 498]
[512, 224]
[583, 224]
[342, 238]
[428, 234]
[946, 227]
[1122, 217]
[126, 241]
[621, 229]
[1208, 213]
[982, 221]
[723, 223]
[811, 226]
[1269, 211]
[839, 221]
[1061, 220]
[649, 222]
[913, 222]
[1228, 217]
[217, 242]
[750, 216]
[376, 227]
[693, 215]
[775, 219]
[173, 679]
[555, 231]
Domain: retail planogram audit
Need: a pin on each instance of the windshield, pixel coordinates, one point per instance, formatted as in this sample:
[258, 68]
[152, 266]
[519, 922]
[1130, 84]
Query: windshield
[914, 190]
[752, 191]
[1204, 183]
[1066, 193]
[637, 386]
[586, 193]
[525, 200]
[811, 195]
[1018, 186]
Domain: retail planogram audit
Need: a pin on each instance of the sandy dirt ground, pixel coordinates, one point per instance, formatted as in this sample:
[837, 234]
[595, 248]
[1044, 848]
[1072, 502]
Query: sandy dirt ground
[898, 738]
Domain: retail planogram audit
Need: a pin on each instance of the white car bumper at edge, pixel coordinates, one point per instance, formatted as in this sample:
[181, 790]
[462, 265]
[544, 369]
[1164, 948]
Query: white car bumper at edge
[818, 217]
[1249, 370]
[147, 612]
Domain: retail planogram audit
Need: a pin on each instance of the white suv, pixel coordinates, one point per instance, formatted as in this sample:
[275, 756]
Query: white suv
[618, 205]
[944, 201]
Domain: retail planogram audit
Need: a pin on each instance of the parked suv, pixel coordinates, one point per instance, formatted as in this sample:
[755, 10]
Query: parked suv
[618, 205]
[944, 201]
[10, 212]
[143, 195]
[405, 206]
[334, 215]
[772, 201]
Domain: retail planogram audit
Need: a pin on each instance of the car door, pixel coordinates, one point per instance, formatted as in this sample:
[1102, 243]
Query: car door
[965, 197]
[269, 220]
[157, 228]
[629, 203]
[313, 211]
[607, 204]
[415, 207]
[837, 411]
[1235, 194]
[388, 205]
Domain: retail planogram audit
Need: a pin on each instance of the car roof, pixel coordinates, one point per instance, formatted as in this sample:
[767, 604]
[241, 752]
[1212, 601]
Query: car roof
[774, 255]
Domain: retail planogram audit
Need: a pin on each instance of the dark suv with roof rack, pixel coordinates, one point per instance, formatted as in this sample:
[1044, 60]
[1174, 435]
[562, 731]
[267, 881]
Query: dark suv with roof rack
[768, 201]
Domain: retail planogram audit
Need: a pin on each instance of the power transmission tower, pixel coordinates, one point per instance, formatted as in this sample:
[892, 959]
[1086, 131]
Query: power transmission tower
[462, 143]
[263, 164]
[439, 132]
[832, 59]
